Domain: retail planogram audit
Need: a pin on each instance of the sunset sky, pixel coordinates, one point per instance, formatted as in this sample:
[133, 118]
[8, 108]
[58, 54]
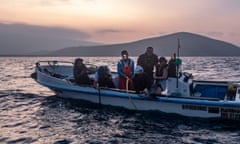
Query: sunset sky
[117, 21]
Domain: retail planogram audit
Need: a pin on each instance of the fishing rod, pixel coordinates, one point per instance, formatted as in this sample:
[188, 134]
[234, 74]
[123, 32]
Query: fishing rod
[178, 61]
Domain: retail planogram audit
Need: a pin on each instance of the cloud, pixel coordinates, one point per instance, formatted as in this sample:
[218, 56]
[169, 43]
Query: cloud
[232, 37]
[54, 2]
[26, 29]
[59, 2]
[22, 38]
[89, 0]
[215, 34]
[103, 31]
[234, 34]
[106, 31]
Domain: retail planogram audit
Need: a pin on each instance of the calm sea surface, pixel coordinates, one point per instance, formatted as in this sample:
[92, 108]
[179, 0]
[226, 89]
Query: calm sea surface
[30, 113]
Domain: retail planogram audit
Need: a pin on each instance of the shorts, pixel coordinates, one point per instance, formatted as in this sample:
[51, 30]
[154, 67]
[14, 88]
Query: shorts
[162, 85]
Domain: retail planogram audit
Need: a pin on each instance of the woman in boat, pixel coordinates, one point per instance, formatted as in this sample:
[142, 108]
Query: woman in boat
[125, 70]
[80, 72]
[161, 75]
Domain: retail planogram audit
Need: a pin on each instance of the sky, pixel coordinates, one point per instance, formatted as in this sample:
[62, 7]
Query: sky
[119, 21]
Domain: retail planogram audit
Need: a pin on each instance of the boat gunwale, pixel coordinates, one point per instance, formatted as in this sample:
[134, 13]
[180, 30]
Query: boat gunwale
[169, 99]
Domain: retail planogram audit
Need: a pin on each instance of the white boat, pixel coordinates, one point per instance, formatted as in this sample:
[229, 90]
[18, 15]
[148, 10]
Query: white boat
[184, 95]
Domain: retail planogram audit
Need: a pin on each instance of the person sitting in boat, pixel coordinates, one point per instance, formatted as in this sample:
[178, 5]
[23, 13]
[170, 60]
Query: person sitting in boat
[231, 92]
[140, 80]
[172, 66]
[161, 75]
[103, 77]
[80, 73]
[125, 70]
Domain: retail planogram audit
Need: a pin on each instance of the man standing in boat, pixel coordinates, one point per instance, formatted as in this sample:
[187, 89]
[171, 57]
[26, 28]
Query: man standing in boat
[125, 70]
[148, 61]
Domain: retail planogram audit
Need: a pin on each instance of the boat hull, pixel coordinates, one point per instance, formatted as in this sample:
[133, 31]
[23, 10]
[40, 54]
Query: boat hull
[190, 106]
[186, 107]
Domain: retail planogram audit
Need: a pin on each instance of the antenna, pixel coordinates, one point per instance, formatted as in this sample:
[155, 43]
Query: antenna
[178, 47]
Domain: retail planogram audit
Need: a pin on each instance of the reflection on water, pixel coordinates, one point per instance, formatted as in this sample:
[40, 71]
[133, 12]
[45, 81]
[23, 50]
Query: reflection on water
[30, 113]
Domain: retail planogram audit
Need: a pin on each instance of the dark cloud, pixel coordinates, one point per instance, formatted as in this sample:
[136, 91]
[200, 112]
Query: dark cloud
[23, 38]
[215, 34]
[106, 31]
[59, 32]
[233, 34]
[59, 2]
[103, 31]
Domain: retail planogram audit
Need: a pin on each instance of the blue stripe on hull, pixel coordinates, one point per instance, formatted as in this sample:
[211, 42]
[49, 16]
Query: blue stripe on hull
[222, 104]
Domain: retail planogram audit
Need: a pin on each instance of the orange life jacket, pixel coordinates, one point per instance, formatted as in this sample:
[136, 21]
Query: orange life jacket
[127, 70]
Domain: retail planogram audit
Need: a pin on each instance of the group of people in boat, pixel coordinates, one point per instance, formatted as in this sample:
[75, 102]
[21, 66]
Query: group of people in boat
[149, 74]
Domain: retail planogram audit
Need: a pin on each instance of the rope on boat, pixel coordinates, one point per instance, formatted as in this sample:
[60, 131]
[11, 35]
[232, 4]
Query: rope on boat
[99, 96]
[129, 96]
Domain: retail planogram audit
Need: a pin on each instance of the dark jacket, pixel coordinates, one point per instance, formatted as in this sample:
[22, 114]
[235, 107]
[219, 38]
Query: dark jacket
[81, 75]
[159, 69]
[148, 63]
[172, 68]
[103, 77]
[140, 82]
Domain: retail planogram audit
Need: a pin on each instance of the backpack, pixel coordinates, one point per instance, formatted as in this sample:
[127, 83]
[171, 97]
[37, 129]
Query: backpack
[102, 72]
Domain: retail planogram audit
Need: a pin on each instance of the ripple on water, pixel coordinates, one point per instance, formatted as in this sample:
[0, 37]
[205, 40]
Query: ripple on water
[30, 113]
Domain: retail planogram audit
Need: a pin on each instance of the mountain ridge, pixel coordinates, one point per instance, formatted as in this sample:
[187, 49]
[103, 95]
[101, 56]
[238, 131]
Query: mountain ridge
[190, 45]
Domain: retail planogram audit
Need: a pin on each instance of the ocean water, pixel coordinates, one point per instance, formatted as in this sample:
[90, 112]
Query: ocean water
[30, 113]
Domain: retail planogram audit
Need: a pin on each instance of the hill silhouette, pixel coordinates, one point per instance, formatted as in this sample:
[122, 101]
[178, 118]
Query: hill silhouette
[190, 45]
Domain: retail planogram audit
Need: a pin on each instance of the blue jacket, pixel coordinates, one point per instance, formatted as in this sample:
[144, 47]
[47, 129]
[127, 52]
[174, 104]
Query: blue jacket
[121, 64]
[96, 76]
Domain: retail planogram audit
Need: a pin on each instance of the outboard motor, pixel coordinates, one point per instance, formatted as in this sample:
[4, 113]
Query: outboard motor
[181, 86]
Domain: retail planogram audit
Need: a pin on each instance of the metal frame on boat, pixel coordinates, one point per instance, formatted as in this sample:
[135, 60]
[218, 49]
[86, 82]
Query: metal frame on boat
[205, 99]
